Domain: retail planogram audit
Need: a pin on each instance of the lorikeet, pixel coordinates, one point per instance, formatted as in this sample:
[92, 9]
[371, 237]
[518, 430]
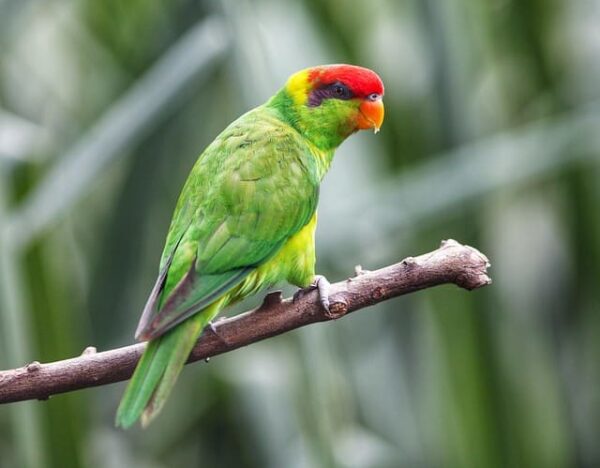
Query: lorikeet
[246, 218]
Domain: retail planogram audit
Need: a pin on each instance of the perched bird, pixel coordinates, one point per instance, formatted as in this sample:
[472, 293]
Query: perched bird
[246, 218]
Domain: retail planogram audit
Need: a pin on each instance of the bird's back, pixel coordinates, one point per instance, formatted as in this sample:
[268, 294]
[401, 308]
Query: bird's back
[252, 189]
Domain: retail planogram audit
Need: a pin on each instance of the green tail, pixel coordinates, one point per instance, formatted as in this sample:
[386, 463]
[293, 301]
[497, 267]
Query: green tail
[158, 369]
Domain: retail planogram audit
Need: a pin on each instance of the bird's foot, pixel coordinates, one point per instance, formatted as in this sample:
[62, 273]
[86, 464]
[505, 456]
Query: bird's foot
[211, 326]
[322, 285]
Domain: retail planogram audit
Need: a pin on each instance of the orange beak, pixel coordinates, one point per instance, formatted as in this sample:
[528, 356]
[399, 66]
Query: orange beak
[370, 115]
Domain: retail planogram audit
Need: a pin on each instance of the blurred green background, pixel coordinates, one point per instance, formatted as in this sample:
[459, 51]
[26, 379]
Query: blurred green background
[492, 137]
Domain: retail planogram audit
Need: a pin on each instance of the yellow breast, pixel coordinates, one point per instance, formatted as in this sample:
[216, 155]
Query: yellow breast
[294, 263]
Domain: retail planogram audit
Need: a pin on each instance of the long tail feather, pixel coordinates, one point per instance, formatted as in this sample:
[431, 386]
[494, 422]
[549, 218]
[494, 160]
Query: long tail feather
[159, 367]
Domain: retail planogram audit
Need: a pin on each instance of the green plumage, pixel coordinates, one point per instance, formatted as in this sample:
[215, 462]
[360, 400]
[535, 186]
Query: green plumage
[251, 190]
[245, 220]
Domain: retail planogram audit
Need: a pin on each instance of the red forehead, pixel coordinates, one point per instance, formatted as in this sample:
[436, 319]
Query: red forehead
[361, 81]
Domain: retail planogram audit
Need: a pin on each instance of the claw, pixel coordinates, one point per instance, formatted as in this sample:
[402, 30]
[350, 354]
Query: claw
[321, 284]
[213, 329]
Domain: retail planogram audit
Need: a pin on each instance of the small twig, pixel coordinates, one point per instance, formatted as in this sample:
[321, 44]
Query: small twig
[451, 263]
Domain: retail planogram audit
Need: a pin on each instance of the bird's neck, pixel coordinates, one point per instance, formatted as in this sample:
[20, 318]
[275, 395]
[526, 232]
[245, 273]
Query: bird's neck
[323, 160]
[322, 129]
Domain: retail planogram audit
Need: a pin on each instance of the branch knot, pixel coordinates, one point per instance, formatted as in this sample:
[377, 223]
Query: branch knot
[337, 309]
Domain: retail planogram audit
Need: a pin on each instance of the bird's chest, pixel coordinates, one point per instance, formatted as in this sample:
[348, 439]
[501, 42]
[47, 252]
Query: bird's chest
[294, 263]
[297, 256]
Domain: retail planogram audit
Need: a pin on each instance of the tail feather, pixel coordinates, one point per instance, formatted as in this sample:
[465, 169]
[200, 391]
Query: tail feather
[141, 386]
[158, 369]
[179, 352]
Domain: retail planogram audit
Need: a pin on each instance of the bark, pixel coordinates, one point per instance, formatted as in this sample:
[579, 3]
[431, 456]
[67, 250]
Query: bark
[454, 263]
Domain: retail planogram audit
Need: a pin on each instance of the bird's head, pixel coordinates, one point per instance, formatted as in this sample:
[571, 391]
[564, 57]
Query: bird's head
[330, 102]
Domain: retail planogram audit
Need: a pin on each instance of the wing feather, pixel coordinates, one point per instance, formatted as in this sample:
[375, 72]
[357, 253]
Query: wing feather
[252, 189]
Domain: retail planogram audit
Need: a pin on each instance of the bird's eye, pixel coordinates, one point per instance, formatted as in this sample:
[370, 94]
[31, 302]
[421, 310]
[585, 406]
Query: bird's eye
[341, 91]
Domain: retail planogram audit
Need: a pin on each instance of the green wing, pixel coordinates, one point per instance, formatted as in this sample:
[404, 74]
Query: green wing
[254, 187]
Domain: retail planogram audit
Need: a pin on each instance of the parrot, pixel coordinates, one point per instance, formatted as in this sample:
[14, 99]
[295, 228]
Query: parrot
[246, 219]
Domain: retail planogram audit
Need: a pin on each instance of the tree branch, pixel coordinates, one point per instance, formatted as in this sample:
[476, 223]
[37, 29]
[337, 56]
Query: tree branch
[451, 263]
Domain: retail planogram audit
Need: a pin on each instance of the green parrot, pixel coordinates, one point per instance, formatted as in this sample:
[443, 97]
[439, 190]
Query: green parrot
[246, 218]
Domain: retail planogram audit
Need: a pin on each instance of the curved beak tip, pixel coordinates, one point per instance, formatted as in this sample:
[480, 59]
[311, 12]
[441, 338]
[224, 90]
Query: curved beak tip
[371, 115]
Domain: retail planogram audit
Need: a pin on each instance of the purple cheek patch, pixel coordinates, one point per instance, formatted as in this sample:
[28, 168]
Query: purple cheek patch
[316, 96]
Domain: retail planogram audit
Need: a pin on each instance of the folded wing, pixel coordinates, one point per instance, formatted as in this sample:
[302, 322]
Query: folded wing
[251, 190]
